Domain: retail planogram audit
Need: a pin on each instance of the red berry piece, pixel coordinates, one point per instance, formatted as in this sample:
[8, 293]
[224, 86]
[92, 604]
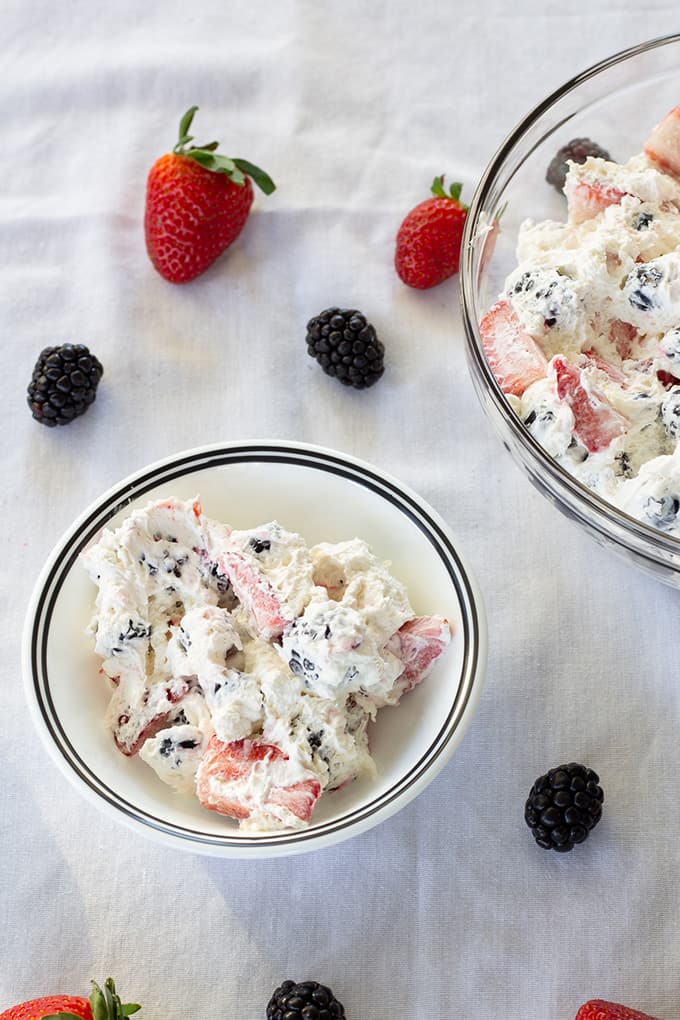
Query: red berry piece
[663, 144]
[514, 357]
[596, 422]
[429, 239]
[102, 1004]
[197, 203]
[598, 1009]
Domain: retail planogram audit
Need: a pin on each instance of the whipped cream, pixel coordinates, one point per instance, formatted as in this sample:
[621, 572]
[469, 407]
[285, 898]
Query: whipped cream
[585, 337]
[244, 666]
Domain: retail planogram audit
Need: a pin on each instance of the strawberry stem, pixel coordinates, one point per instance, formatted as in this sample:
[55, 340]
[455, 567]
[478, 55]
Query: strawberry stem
[105, 1004]
[205, 156]
[439, 191]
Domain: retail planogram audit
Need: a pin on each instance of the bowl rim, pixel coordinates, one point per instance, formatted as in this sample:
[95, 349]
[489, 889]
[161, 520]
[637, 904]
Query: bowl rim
[64, 556]
[643, 534]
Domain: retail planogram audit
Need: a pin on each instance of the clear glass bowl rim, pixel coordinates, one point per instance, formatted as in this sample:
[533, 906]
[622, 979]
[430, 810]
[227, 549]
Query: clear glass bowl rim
[641, 534]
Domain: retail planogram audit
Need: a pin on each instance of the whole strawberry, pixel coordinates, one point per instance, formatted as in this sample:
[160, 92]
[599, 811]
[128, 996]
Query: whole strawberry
[103, 1004]
[429, 239]
[598, 1009]
[197, 203]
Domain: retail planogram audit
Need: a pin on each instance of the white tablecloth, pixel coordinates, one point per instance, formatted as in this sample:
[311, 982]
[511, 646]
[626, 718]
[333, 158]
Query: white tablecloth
[448, 909]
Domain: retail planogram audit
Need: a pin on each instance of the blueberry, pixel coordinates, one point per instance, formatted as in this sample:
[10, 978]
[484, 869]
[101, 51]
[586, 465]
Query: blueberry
[622, 466]
[643, 282]
[662, 511]
[670, 344]
[642, 220]
[526, 282]
[259, 545]
[134, 630]
[670, 414]
[314, 739]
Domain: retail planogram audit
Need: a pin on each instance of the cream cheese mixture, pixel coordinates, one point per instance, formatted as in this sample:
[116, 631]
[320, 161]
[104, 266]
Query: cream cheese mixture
[585, 337]
[244, 666]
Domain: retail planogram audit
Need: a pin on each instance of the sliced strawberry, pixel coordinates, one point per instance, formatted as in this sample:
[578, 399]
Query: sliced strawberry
[136, 722]
[224, 782]
[663, 144]
[666, 379]
[421, 642]
[598, 1009]
[623, 336]
[614, 373]
[586, 199]
[596, 422]
[256, 595]
[513, 355]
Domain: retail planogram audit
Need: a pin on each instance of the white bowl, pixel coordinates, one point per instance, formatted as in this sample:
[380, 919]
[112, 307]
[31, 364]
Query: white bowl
[325, 496]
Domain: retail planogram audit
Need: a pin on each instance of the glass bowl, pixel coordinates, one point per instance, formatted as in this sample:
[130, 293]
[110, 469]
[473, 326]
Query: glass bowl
[616, 103]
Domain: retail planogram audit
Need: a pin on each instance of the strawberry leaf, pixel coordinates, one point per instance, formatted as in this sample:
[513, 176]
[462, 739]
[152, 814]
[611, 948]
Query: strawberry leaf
[439, 191]
[129, 1008]
[217, 164]
[62, 1016]
[184, 125]
[205, 156]
[98, 1003]
[262, 179]
[455, 190]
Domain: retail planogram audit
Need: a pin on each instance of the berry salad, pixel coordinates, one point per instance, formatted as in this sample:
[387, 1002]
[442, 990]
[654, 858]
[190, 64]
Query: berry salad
[585, 337]
[245, 666]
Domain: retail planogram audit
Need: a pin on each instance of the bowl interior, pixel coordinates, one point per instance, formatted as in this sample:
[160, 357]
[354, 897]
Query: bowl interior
[616, 104]
[320, 502]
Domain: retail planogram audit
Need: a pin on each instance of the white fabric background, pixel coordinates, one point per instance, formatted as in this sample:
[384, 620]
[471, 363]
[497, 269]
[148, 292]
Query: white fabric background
[448, 909]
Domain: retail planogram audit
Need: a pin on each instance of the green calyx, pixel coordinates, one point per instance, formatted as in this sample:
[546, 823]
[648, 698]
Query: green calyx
[236, 169]
[105, 1003]
[439, 191]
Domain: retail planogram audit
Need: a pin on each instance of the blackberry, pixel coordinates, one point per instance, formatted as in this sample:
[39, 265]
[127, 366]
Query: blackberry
[307, 1000]
[577, 150]
[64, 384]
[346, 346]
[563, 806]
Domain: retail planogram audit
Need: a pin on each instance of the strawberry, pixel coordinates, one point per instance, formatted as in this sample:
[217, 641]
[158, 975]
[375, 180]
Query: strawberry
[623, 336]
[269, 615]
[103, 1004]
[596, 422]
[587, 199]
[513, 355]
[595, 359]
[663, 144]
[197, 203]
[598, 1009]
[230, 772]
[421, 642]
[667, 379]
[428, 241]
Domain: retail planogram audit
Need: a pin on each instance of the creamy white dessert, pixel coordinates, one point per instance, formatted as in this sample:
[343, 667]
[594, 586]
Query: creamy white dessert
[585, 337]
[244, 666]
